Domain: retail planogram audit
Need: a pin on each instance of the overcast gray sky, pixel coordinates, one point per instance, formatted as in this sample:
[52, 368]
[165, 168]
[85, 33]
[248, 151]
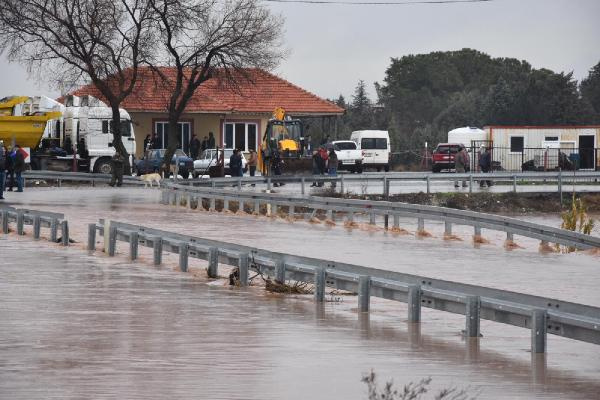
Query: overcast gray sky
[332, 46]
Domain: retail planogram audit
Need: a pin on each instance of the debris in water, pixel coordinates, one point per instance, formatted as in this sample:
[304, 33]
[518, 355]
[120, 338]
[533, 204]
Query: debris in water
[330, 222]
[314, 220]
[478, 239]
[547, 248]
[295, 288]
[423, 233]
[511, 245]
[399, 231]
[452, 237]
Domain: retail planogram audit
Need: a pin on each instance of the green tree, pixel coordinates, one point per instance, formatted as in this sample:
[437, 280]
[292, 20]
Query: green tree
[590, 92]
[360, 113]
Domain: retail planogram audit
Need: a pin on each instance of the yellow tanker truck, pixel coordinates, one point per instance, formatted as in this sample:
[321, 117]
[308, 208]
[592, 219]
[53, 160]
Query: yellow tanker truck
[24, 130]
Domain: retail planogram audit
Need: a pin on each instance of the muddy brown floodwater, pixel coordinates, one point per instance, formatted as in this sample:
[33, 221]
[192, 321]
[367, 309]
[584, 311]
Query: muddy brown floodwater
[75, 325]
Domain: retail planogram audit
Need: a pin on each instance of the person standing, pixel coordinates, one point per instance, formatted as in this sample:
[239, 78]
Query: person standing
[332, 165]
[204, 144]
[155, 141]
[2, 169]
[211, 141]
[117, 170]
[276, 162]
[235, 163]
[10, 169]
[485, 163]
[19, 167]
[147, 142]
[252, 162]
[316, 163]
[194, 147]
[461, 163]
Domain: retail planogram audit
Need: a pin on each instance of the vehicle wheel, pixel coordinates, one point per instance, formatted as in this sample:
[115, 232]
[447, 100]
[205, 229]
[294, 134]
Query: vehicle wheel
[138, 172]
[386, 168]
[104, 167]
[436, 168]
[378, 169]
[185, 174]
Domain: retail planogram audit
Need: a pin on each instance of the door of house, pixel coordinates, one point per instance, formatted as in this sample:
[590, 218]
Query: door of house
[586, 152]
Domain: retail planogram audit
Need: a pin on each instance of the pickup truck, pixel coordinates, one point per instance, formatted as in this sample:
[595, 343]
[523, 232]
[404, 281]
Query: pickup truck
[350, 158]
[208, 158]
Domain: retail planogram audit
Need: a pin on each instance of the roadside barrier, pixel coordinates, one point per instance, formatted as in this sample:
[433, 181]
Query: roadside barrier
[348, 208]
[85, 177]
[541, 315]
[37, 219]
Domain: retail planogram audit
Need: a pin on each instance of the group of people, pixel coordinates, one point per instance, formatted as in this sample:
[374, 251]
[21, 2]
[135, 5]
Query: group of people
[12, 165]
[196, 146]
[236, 167]
[324, 162]
[462, 164]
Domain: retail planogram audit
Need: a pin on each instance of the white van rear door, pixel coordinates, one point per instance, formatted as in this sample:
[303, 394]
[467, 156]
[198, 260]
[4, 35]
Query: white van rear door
[375, 150]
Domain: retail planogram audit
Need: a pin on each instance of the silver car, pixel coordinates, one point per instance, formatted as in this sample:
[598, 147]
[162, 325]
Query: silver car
[208, 159]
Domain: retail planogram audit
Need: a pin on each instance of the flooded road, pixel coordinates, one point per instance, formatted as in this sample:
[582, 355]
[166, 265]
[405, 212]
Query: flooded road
[79, 326]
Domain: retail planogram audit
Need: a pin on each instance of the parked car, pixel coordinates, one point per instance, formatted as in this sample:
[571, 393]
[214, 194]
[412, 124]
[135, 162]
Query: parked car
[208, 159]
[349, 157]
[375, 147]
[443, 156]
[152, 159]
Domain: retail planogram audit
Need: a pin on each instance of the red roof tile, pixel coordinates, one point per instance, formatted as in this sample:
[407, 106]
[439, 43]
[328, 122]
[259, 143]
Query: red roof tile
[261, 93]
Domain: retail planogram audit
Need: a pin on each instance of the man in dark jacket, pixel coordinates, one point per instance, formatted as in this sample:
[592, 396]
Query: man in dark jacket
[211, 141]
[194, 147]
[118, 162]
[235, 163]
[19, 167]
[485, 163]
[2, 168]
[10, 169]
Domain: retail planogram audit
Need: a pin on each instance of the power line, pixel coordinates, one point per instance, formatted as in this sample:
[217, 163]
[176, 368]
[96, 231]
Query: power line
[378, 3]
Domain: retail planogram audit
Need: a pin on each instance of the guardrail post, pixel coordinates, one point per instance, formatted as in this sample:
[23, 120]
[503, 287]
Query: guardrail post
[472, 316]
[342, 184]
[213, 262]
[212, 204]
[280, 272]
[420, 225]
[225, 204]
[37, 223]
[133, 246]
[471, 182]
[64, 228]
[414, 303]
[320, 285]
[292, 211]
[157, 250]
[239, 184]
[256, 207]
[302, 183]
[447, 228]
[396, 221]
[53, 230]
[350, 217]
[538, 331]
[428, 185]
[514, 183]
[20, 222]
[372, 218]
[509, 236]
[269, 184]
[164, 199]
[241, 206]
[5, 221]
[477, 230]
[91, 245]
[184, 250]
[243, 269]
[329, 215]
[364, 293]
[274, 209]
[112, 240]
[189, 201]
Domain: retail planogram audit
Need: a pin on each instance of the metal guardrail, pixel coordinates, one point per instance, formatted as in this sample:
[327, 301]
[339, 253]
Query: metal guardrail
[560, 177]
[386, 209]
[38, 219]
[93, 179]
[539, 314]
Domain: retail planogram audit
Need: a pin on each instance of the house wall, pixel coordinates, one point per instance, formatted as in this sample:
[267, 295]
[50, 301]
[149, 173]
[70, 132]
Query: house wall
[201, 125]
[534, 138]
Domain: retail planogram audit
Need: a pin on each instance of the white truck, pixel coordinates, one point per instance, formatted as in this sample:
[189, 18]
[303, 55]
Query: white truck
[83, 131]
[350, 158]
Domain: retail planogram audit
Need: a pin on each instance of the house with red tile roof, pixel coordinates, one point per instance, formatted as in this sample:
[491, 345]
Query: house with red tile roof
[236, 116]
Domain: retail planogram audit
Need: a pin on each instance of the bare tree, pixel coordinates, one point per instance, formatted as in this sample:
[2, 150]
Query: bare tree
[80, 41]
[204, 39]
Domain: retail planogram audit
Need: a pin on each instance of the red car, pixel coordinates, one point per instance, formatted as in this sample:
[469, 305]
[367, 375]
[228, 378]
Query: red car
[443, 156]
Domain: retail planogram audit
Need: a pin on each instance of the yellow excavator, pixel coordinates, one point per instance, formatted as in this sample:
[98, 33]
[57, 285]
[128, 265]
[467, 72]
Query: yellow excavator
[285, 136]
[24, 130]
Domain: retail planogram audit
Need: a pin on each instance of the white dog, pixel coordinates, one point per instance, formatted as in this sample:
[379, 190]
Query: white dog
[149, 178]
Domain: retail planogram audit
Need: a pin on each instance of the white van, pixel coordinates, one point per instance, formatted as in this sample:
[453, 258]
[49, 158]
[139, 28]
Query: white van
[375, 146]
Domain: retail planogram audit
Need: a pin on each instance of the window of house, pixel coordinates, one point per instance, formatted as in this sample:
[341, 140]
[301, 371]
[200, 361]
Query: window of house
[517, 144]
[240, 135]
[183, 138]
[551, 139]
